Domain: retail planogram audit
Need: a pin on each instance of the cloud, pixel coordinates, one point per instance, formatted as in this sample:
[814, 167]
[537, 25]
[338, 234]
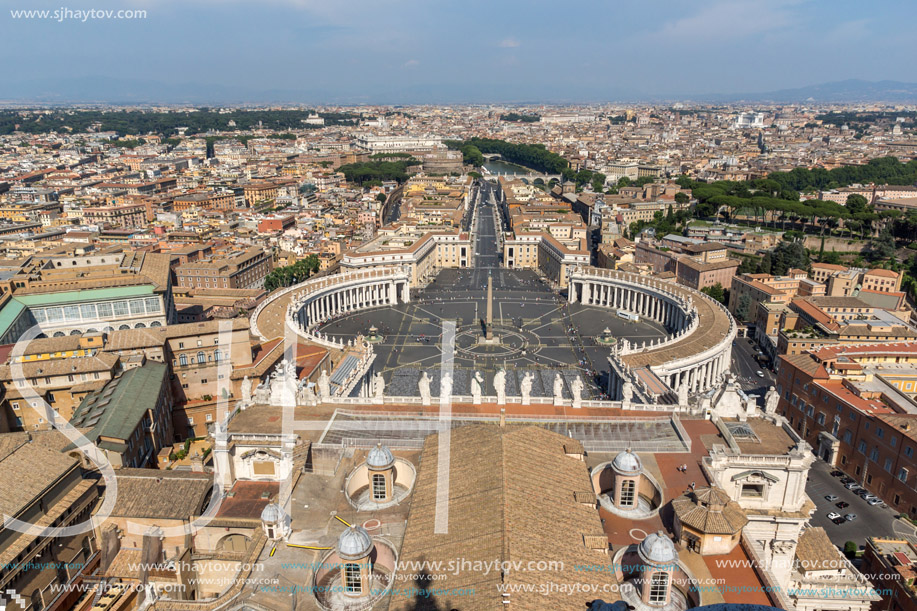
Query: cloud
[412, 63]
[509, 43]
[730, 20]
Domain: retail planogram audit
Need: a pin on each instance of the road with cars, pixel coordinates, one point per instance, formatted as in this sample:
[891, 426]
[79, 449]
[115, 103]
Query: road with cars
[752, 377]
[870, 521]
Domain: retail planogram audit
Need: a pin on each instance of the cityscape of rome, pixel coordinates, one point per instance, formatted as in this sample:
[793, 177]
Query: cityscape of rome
[428, 307]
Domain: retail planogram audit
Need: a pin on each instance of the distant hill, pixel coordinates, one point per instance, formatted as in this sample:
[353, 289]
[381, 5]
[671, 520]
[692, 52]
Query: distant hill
[118, 90]
[851, 90]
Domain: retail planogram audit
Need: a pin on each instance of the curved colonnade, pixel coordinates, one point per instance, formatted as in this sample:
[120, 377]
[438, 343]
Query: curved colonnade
[317, 301]
[690, 361]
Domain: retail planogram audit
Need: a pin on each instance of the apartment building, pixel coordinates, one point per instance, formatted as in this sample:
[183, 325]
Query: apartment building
[235, 269]
[856, 405]
[48, 487]
[130, 419]
[103, 291]
[694, 263]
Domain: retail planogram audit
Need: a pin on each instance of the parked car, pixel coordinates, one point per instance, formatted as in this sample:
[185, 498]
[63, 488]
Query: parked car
[760, 373]
[846, 480]
[851, 486]
[833, 515]
[837, 474]
[842, 505]
[831, 498]
[850, 517]
[839, 521]
[874, 501]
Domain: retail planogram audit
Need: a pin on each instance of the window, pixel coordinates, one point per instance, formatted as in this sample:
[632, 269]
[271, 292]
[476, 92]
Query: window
[201, 358]
[874, 455]
[378, 487]
[880, 432]
[659, 588]
[847, 436]
[627, 493]
[862, 447]
[908, 451]
[752, 491]
[217, 355]
[902, 475]
[821, 418]
[209, 418]
[120, 308]
[182, 359]
[15, 404]
[888, 465]
[352, 582]
[893, 441]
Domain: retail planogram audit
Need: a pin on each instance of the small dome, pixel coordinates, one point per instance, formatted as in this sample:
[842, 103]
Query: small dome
[627, 462]
[272, 513]
[379, 457]
[354, 543]
[658, 549]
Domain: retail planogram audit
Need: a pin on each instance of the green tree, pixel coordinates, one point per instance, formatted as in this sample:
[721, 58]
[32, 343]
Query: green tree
[856, 203]
[716, 292]
[681, 198]
[380, 197]
[743, 308]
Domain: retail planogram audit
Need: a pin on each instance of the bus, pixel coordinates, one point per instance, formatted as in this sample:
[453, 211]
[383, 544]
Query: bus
[628, 316]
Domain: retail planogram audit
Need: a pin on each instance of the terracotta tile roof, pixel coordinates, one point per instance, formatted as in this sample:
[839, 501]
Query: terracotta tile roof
[29, 464]
[151, 493]
[512, 498]
[710, 511]
[815, 552]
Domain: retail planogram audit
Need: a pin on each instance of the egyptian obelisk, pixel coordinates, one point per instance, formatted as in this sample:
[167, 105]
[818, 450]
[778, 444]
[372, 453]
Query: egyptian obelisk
[489, 332]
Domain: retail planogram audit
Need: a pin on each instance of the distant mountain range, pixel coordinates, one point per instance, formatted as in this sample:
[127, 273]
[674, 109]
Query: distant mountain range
[851, 90]
[126, 91]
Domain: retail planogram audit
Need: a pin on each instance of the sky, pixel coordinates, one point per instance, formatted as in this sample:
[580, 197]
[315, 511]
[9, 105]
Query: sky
[441, 51]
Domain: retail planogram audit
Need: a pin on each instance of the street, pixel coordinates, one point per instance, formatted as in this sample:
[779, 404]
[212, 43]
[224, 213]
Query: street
[746, 369]
[872, 521]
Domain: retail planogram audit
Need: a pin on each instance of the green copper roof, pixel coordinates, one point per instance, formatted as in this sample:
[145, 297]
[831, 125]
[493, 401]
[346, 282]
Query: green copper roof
[116, 410]
[43, 299]
[18, 303]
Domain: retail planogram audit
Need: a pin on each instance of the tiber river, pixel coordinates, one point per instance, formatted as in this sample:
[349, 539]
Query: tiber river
[498, 166]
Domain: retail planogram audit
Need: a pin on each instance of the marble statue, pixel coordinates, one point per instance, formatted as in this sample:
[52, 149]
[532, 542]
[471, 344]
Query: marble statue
[423, 385]
[683, 394]
[324, 386]
[771, 399]
[500, 386]
[263, 393]
[445, 386]
[305, 395]
[558, 389]
[477, 384]
[577, 389]
[246, 391]
[525, 387]
[283, 384]
[378, 386]
[627, 392]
